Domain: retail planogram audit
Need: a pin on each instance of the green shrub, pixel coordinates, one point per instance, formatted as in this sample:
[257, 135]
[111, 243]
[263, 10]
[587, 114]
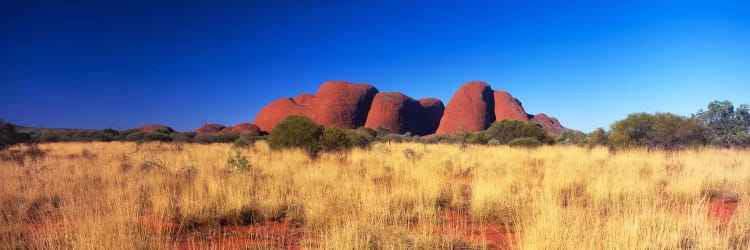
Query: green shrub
[335, 139]
[135, 136]
[227, 137]
[239, 162]
[246, 139]
[660, 130]
[9, 135]
[525, 142]
[205, 138]
[158, 136]
[124, 134]
[598, 137]
[507, 130]
[296, 132]
[726, 126]
[176, 137]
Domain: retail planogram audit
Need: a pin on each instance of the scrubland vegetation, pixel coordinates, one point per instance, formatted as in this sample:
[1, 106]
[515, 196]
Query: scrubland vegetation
[123, 195]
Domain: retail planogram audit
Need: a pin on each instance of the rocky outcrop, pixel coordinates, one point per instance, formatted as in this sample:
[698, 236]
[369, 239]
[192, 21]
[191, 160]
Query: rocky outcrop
[275, 112]
[155, 127]
[508, 108]
[342, 104]
[404, 114]
[549, 124]
[242, 128]
[432, 112]
[474, 107]
[471, 109]
[337, 103]
[209, 128]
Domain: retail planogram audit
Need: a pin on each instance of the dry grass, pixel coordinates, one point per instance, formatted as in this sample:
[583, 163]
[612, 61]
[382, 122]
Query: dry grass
[392, 196]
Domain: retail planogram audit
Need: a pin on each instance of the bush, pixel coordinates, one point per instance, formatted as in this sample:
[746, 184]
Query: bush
[126, 133]
[246, 139]
[135, 136]
[180, 138]
[660, 130]
[598, 137]
[158, 136]
[525, 142]
[227, 137]
[726, 126]
[296, 132]
[10, 136]
[493, 142]
[507, 130]
[205, 138]
[335, 139]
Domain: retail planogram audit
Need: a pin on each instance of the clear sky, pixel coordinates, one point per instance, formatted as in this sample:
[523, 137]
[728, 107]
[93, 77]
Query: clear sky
[102, 64]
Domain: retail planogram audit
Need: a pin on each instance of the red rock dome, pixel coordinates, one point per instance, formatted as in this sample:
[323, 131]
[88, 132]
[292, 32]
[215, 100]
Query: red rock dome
[342, 104]
[508, 108]
[276, 112]
[242, 127]
[209, 128]
[549, 124]
[155, 127]
[471, 109]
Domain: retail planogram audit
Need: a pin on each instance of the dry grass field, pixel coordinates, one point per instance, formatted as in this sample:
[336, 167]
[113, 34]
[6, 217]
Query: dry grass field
[389, 196]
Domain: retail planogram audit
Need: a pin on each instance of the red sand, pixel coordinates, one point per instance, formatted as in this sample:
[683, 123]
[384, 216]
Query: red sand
[496, 236]
[722, 209]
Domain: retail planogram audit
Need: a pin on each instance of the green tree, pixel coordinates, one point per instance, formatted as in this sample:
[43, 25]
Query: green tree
[598, 137]
[660, 130]
[296, 132]
[10, 136]
[727, 127]
[335, 139]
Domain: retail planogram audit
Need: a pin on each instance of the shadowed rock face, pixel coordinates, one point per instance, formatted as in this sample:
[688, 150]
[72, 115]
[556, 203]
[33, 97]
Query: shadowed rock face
[471, 109]
[154, 127]
[242, 127]
[404, 114]
[432, 112]
[342, 104]
[549, 124]
[508, 108]
[209, 128]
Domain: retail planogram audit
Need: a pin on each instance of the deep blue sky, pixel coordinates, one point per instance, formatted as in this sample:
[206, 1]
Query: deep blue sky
[103, 64]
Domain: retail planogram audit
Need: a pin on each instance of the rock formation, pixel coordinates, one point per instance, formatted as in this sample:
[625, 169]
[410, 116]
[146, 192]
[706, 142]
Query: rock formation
[474, 107]
[432, 112]
[404, 114]
[275, 112]
[508, 108]
[337, 103]
[471, 109]
[549, 124]
[342, 104]
[209, 128]
[242, 127]
[155, 127]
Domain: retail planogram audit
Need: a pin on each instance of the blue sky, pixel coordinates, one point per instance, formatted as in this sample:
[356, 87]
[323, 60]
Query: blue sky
[102, 64]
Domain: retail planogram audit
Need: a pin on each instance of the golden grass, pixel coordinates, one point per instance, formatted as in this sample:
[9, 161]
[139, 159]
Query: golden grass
[390, 196]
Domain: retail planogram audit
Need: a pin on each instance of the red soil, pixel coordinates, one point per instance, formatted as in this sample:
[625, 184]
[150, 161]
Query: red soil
[269, 234]
[495, 236]
[722, 209]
